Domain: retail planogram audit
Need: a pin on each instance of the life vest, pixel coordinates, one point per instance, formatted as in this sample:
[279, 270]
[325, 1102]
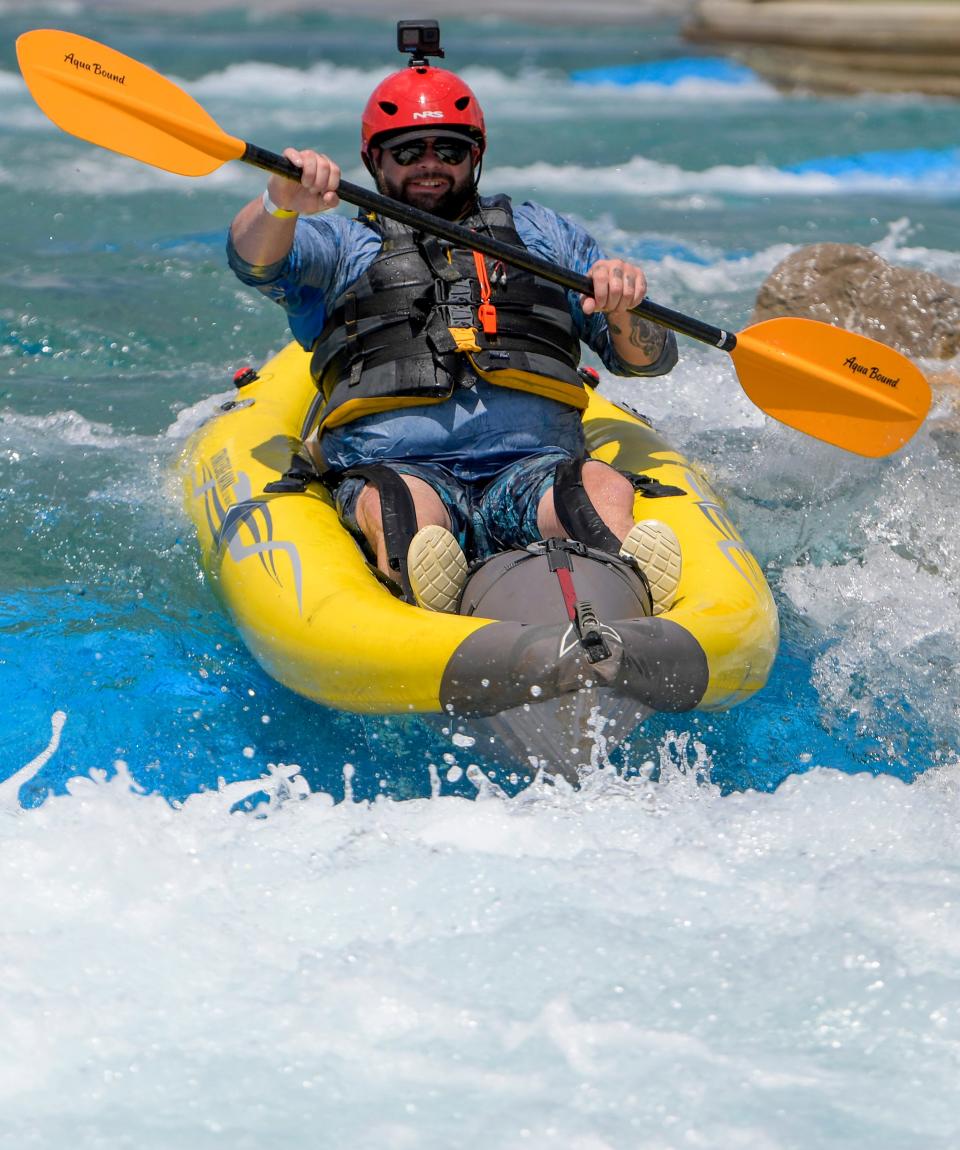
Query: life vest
[427, 317]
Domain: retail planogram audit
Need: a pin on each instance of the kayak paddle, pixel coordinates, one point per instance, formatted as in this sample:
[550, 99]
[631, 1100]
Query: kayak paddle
[835, 385]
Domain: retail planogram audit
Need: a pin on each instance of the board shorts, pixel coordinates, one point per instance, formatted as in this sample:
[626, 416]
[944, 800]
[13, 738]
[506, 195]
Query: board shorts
[486, 516]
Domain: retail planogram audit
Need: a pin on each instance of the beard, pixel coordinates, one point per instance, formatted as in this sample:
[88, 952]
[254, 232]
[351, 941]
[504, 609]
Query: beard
[449, 201]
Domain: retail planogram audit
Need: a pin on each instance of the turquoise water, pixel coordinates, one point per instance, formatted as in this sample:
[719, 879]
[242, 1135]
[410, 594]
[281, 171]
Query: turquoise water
[742, 937]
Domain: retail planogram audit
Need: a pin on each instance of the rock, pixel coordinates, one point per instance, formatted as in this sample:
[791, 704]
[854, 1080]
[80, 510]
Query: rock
[913, 311]
[838, 45]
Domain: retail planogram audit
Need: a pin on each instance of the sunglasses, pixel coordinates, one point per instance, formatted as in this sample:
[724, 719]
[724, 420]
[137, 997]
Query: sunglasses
[447, 151]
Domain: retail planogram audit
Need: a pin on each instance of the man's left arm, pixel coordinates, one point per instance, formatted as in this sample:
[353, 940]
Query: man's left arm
[618, 286]
[627, 344]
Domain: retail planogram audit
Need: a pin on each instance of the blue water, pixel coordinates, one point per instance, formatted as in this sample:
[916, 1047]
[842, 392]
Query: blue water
[117, 313]
[742, 932]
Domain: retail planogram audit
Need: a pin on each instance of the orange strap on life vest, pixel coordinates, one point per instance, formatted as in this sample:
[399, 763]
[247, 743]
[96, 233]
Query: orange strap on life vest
[486, 312]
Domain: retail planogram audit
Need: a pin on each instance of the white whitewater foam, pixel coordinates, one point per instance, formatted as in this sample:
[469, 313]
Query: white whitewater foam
[261, 83]
[48, 433]
[889, 616]
[723, 275]
[896, 248]
[11, 785]
[642, 176]
[634, 965]
[700, 395]
[530, 91]
[11, 82]
[191, 418]
[692, 89]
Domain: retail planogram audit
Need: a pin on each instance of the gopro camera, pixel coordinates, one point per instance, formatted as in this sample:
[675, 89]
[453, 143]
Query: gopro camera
[421, 38]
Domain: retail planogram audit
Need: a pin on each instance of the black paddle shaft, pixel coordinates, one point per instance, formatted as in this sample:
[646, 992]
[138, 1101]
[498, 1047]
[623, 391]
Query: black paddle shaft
[496, 249]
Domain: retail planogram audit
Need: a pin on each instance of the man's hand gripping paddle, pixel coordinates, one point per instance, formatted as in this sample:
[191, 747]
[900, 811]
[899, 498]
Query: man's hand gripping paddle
[834, 385]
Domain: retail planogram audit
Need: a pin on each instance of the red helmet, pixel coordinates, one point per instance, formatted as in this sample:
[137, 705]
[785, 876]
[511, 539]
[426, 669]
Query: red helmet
[421, 97]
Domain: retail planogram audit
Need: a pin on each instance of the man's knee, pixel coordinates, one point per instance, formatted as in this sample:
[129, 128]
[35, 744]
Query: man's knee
[369, 512]
[607, 488]
[428, 505]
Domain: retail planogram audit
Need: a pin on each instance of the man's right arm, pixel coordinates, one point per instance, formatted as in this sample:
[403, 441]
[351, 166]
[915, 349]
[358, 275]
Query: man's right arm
[263, 238]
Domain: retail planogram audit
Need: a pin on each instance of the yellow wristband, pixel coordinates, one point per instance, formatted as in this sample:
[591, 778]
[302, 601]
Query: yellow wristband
[278, 213]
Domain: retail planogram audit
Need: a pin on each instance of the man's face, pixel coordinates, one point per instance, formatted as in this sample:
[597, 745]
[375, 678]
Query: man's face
[430, 173]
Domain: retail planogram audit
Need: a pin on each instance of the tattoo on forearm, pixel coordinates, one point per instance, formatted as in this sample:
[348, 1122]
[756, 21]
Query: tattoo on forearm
[648, 337]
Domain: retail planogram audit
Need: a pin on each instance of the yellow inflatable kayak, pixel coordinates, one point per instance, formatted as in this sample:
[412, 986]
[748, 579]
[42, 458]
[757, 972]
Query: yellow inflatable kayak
[320, 620]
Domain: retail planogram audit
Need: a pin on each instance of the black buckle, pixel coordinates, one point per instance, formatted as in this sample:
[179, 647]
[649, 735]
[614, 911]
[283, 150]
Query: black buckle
[558, 552]
[295, 480]
[591, 635]
[456, 316]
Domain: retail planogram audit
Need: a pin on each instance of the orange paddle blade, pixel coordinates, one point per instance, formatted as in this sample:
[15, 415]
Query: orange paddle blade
[835, 385]
[100, 95]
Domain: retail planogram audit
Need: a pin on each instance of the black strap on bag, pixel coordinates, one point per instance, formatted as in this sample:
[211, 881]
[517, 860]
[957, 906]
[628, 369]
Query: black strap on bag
[576, 512]
[398, 514]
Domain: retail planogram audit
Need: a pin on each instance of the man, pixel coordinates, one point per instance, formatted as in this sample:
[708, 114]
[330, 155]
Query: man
[450, 389]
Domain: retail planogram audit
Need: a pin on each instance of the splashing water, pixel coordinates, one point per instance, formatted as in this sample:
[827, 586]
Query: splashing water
[230, 917]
